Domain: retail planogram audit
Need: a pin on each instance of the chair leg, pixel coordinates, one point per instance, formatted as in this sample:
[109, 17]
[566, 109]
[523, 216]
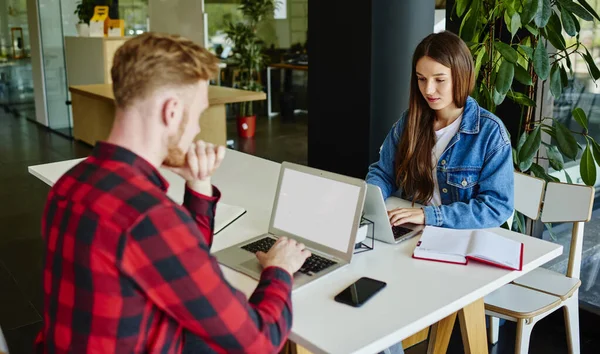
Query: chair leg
[571, 311]
[523, 335]
[493, 329]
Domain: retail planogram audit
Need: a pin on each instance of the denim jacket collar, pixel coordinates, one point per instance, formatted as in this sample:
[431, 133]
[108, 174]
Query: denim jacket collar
[470, 119]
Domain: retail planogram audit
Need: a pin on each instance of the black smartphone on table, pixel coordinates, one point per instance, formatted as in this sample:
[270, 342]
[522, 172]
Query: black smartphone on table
[360, 291]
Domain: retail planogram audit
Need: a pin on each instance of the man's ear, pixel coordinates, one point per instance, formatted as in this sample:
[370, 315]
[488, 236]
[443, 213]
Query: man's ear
[172, 111]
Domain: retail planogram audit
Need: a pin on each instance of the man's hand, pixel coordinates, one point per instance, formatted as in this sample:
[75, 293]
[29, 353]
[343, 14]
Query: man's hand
[202, 160]
[286, 253]
[406, 216]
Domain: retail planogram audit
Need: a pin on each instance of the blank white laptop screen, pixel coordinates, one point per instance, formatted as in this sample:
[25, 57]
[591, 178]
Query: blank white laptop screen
[316, 208]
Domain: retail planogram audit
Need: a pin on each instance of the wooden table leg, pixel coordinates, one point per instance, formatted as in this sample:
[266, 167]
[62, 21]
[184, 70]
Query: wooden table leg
[472, 328]
[440, 335]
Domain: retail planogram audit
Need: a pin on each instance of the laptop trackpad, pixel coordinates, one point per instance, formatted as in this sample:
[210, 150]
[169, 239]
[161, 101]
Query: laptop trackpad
[252, 265]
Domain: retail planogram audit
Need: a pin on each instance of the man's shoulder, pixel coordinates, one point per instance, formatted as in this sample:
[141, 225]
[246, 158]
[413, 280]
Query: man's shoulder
[112, 191]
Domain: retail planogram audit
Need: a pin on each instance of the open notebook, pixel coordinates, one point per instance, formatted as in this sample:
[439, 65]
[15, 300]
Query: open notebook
[458, 246]
[226, 214]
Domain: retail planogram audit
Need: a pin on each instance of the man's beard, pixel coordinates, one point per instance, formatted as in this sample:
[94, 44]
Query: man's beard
[176, 157]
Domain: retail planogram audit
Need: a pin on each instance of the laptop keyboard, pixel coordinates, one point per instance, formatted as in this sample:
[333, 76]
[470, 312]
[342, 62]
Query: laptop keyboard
[400, 231]
[312, 265]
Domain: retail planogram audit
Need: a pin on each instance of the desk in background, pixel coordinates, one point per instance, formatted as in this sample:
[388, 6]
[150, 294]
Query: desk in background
[94, 111]
[282, 67]
[419, 293]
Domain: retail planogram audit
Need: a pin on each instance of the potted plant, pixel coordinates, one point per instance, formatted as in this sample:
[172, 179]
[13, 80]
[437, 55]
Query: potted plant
[248, 56]
[85, 12]
[509, 41]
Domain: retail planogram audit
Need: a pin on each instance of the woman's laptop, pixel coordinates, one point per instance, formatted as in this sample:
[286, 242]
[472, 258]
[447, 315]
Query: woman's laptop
[376, 211]
[318, 208]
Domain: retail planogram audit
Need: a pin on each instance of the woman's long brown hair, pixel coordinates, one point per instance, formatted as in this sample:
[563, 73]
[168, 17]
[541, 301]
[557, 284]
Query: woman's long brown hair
[414, 169]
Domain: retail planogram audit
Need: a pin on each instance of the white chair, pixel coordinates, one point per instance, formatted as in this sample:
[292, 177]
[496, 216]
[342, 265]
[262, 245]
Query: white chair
[535, 295]
[529, 192]
[528, 195]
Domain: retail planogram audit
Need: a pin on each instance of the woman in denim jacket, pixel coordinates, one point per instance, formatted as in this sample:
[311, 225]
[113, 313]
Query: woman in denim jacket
[446, 152]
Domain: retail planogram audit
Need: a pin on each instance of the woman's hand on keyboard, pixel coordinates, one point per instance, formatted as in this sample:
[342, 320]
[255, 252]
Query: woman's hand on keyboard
[406, 216]
[286, 253]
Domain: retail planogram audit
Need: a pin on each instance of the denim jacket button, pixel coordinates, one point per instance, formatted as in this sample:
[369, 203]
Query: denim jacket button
[443, 162]
[444, 190]
[464, 183]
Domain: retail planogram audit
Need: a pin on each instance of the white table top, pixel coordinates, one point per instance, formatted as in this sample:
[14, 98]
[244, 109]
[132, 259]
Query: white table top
[418, 294]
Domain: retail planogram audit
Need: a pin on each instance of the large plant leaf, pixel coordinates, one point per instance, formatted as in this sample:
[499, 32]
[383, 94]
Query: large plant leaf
[587, 167]
[521, 142]
[580, 117]
[568, 23]
[461, 6]
[530, 8]
[522, 75]
[554, 22]
[553, 32]
[555, 82]
[543, 13]
[568, 177]
[541, 63]
[527, 50]
[520, 98]
[479, 60]
[566, 141]
[533, 30]
[515, 156]
[576, 9]
[555, 158]
[596, 150]
[539, 172]
[498, 97]
[590, 9]
[515, 23]
[549, 131]
[525, 165]
[519, 223]
[508, 52]
[563, 76]
[531, 145]
[593, 69]
[469, 23]
[504, 77]
[488, 101]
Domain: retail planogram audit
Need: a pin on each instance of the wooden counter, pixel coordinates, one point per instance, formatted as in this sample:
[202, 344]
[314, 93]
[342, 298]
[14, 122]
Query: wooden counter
[94, 111]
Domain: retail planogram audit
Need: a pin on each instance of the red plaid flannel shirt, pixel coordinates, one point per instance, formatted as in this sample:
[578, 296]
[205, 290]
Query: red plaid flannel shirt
[127, 270]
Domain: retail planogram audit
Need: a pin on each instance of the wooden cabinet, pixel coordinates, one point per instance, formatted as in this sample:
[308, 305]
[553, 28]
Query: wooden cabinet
[89, 59]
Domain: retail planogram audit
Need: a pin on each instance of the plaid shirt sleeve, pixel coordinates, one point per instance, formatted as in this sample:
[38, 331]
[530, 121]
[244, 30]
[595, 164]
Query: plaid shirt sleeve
[167, 254]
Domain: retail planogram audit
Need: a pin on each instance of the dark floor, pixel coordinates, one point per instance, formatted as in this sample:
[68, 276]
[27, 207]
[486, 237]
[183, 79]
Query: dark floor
[22, 196]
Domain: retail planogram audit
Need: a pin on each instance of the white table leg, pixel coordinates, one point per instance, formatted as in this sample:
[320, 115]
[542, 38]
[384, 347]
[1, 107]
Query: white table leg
[270, 112]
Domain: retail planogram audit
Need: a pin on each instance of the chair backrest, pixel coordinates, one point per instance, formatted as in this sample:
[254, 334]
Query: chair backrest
[570, 203]
[529, 191]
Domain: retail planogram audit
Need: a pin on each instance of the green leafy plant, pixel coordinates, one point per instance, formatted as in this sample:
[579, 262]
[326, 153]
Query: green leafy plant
[248, 53]
[518, 67]
[85, 9]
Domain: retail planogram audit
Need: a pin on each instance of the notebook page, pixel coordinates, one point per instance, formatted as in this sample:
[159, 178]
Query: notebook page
[494, 248]
[443, 244]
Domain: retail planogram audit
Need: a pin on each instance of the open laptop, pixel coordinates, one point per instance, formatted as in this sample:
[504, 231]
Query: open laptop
[375, 210]
[318, 208]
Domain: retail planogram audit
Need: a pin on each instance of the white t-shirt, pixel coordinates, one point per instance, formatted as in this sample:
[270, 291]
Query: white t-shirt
[443, 137]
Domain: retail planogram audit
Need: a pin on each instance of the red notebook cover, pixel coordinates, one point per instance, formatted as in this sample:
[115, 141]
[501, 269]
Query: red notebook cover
[477, 260]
